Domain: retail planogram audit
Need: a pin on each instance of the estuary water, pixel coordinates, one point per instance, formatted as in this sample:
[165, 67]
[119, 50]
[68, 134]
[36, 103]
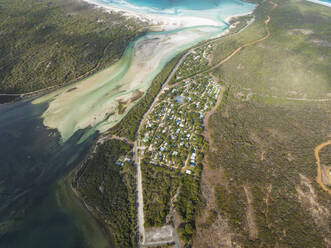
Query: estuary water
[43, 139]
[322, 2]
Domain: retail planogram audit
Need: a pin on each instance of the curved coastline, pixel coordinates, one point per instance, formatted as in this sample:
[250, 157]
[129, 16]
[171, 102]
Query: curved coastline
[328, 4]
[95, 102]
[102, 91]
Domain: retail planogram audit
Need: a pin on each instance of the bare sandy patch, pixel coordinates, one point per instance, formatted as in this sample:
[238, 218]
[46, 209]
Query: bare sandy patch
[253, 231]
[326, 174]
[116, 89]
[159, 235]
[309, 200]
[300, 31]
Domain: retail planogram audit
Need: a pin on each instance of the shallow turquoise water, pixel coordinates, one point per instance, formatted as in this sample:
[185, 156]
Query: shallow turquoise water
[322, 2]
[33, 158]
[208, 9]
[180, 4]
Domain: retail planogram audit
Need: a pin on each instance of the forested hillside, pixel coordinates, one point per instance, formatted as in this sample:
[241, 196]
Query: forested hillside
[52, 42]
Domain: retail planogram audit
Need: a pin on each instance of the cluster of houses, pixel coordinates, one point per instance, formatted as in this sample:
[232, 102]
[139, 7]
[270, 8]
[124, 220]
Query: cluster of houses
[172, 134]
[122, 160]
[196, 61]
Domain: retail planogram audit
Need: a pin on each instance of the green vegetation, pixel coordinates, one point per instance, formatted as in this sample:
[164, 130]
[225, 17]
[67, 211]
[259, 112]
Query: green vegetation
[275, 112]
[130, 123]
[230, 203]
[195, 62]
[237, 24]
[52, 42]
[107, 187]
[173, 130]
[206, 54]
[173, 151]
[287, 145]
[86, 223]
[159, 187]
[296, 43]
[188, 202]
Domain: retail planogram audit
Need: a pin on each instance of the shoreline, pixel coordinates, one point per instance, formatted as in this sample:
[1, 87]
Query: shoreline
[72, 174]
[73, 204]
[153, 20]
[165, 21]
[320, 3]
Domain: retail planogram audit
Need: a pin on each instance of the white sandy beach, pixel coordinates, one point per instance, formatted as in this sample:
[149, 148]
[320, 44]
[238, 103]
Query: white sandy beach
[94, 98]
[320, 2]
[94, 102]
[166, 21]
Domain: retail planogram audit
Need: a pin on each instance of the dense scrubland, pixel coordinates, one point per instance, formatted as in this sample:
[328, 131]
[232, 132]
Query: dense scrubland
[108, 189]
[159, 187]
[258, 184]
[52, 42]
[259, 177]
[267, 146]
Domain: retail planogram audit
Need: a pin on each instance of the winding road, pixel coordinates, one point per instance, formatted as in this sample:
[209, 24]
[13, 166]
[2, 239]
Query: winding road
[137, 149]
[318, 162]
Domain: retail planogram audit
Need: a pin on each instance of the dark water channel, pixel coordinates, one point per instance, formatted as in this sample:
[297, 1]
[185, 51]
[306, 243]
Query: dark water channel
[34, 210]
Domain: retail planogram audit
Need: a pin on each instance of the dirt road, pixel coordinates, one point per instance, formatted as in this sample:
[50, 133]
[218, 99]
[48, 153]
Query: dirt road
[137, 149]
[137, 155]
[318, 162]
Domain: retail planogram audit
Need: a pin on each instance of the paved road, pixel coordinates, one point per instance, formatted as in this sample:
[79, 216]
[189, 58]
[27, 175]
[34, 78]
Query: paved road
[137, 150]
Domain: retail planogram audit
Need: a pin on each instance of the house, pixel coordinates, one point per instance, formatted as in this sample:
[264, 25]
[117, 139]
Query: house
[119, 163]
[188, 172]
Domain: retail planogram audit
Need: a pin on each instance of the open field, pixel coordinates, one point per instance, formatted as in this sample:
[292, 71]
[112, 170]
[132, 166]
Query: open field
[259, 179]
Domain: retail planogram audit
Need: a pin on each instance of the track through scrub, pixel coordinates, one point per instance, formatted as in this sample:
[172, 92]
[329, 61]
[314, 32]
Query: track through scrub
[318, 162]
[137, 152]
[266, 22]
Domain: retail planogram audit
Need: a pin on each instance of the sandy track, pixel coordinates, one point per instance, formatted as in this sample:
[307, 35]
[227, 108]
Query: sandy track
[140, 203]
[318, 162]
[139, 188]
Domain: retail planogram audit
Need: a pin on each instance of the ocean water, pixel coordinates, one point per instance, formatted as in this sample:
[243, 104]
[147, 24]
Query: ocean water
[95, 100]
[215, 10]
[322, 2]
[179, 4]
[34, 157]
